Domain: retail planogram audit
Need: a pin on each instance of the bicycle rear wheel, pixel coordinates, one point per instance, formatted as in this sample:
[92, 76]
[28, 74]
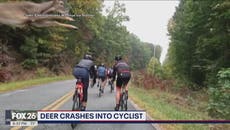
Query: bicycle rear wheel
[73, 125]
[76, 106]
[123, 102]
[111, 87]
[100, 91]
[76, 103]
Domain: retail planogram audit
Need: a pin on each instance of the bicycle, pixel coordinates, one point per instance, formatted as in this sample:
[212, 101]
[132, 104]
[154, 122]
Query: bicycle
[77, 98]
[111, 86]
[123, 99]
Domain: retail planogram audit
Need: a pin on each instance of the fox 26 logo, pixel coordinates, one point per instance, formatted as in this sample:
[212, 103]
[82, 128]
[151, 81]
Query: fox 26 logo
[17, 115]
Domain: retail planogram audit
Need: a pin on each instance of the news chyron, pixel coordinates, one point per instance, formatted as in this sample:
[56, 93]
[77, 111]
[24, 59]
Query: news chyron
[21, 117]
[33, 118]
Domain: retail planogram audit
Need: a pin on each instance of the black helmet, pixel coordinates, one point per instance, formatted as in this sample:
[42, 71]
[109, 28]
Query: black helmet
[87, 56]
[117, 58]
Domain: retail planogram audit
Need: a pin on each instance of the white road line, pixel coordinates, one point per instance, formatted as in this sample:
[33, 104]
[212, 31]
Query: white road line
[14, 92]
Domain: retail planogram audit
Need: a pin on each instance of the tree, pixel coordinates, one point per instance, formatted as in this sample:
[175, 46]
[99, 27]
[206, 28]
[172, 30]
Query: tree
[154, 67]
[199, 46]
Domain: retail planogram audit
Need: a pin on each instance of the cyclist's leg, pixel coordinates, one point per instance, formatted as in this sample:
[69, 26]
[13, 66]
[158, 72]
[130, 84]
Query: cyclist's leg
[109, 80]
[99, 81]
[85, 93]
[111, 84]
[103, 79]
[106, 81]
[94, 79]
[90, 82]
[118, 93]
[77, 73]
[85, 81]
[125, 82]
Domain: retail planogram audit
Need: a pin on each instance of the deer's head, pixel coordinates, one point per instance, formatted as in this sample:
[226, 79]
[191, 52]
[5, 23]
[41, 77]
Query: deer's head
[57, 6]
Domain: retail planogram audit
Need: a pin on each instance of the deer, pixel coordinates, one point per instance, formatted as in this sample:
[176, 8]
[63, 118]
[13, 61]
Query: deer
[25, 13]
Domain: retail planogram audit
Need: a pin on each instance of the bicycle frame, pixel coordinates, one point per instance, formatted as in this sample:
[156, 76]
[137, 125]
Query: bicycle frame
[79, 89]
[123, 99]
[78, 95]
[111, 84]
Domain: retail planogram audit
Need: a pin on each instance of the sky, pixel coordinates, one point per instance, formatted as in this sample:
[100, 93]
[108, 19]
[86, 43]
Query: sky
[149, 19]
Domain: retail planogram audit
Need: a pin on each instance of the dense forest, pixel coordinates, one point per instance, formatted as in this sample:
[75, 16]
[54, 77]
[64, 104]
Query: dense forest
[56, 50]
[199, 52]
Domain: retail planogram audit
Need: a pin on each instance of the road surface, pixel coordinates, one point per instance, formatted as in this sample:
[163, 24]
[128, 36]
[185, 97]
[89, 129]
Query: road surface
[57, 96]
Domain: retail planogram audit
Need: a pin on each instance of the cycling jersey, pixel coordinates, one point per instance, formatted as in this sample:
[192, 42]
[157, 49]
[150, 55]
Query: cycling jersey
[101, 71]
[110, 72]
[122, 69]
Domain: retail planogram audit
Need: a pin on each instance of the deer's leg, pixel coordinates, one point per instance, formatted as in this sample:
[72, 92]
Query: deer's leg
[48, 10]
[44, 23]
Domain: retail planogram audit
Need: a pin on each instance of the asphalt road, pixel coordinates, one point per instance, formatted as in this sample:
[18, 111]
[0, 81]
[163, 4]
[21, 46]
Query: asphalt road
[57, 96]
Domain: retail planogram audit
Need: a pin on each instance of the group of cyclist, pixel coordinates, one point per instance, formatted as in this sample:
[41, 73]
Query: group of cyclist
[86, 70]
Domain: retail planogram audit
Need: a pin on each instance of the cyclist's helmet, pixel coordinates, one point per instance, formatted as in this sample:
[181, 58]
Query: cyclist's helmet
[117, 58]
[102, 64]
[87, 56]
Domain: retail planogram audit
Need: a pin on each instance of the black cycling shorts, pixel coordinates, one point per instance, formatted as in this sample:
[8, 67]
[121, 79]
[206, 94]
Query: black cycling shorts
[122, 81]
[110, 76]
[102, 78]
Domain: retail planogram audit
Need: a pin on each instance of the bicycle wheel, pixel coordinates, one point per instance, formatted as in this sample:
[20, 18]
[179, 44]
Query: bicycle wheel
[121, 102]
[73, 125]
[99, 91]
[76, 103]
[125, 101]
[76, 106]
[111, 87]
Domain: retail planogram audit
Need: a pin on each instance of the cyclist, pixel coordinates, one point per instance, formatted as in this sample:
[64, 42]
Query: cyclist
[83, 70]
[101, 72]
[122, 70]
[93, 76]
[110, 75]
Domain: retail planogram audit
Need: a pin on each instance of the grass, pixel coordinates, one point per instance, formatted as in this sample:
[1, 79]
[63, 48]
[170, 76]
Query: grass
[157, 104]
[4, 87]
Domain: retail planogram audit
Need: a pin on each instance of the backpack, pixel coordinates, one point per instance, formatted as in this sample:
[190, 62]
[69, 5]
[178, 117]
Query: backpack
[101, 71]
[123, 70]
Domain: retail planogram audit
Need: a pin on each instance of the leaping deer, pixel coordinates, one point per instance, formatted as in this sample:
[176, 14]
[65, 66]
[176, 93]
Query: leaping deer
[25, 13]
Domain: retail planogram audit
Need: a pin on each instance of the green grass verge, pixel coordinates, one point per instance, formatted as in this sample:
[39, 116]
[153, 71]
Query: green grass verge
[4, 87]
[157, 105]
